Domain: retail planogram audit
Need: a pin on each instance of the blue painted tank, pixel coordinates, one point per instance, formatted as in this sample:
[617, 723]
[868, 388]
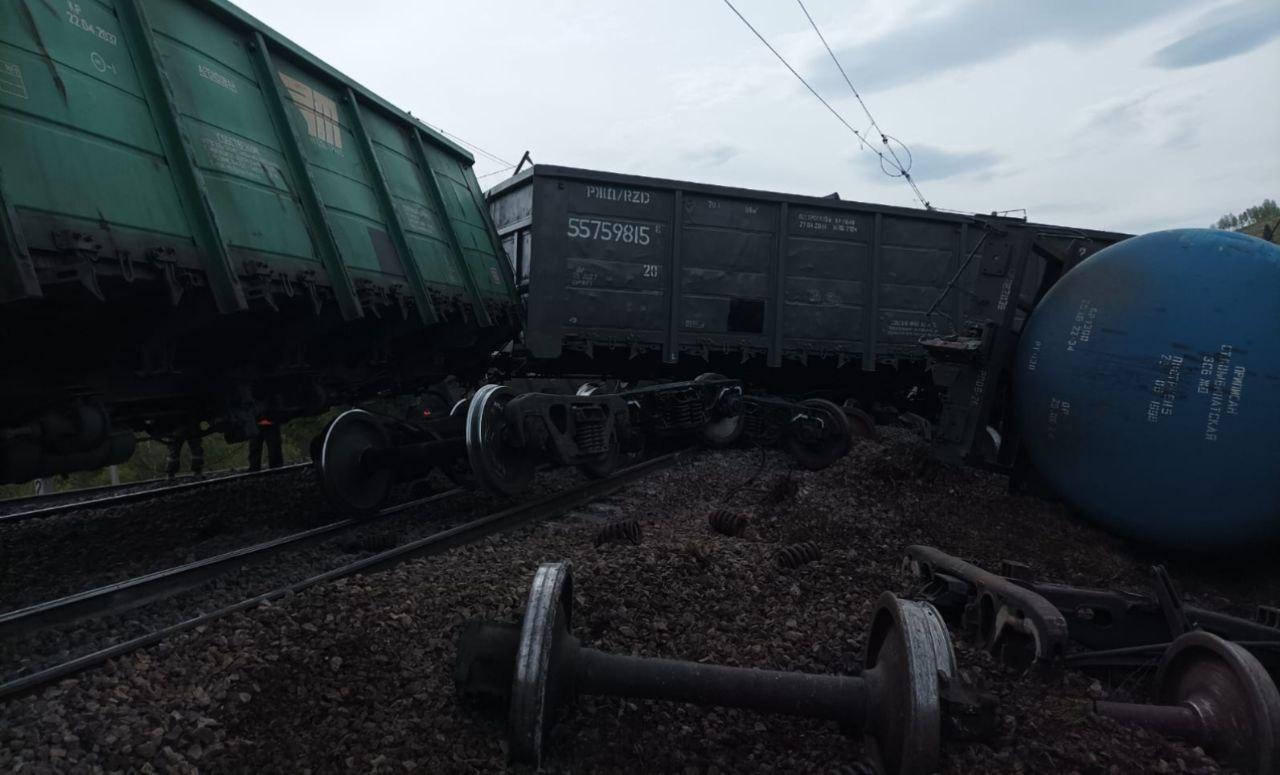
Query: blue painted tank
[1148, 389]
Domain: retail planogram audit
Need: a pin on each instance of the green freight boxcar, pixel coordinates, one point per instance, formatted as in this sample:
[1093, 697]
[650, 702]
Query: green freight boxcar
[200, 221]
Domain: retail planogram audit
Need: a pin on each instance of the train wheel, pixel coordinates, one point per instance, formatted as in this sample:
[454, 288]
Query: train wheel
[459, 471]
[724, 432]
[861, 423]
[497, 466]
[343, 475]
[816, 452]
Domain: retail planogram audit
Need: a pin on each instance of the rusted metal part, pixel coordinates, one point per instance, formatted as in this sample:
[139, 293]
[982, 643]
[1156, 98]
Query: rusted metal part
[727, 522]
[795, 555]
[900, 701]
[1123, 630]
[626, 531]
[1117, 630]
[1007, 619]
[1216, 694]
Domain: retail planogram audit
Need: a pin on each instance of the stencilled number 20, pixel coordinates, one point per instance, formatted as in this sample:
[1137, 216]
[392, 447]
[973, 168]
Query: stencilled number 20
[650, 270]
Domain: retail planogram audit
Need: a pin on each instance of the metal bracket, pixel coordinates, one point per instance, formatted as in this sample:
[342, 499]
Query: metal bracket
[80, 251]
[1005, 618]
[166, 263]
[308, 279]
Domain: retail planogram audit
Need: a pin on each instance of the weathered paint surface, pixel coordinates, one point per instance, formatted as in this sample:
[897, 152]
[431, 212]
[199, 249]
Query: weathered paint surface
[1148, 388]
[81, 145]
[683, 266]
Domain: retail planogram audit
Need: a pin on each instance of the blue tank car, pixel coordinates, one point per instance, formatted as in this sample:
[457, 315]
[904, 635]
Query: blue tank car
[1148, 389]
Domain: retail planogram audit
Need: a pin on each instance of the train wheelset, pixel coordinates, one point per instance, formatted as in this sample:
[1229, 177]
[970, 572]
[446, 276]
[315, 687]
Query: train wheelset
[496, 439]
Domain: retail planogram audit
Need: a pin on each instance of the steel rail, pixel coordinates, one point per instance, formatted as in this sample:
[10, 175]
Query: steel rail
[132, 593]
[437, 543]
[139, 495]
[157, 481]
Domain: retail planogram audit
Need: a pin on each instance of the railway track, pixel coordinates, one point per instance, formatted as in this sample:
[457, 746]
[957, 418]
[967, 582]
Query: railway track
[153, 587]
[125, 595]
[116, 498]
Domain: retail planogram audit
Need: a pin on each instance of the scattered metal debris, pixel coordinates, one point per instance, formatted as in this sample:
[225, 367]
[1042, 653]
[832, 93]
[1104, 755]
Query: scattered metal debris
[795, 555]
[900, 701]
[1213, 691]
[727, 522]
[625, 531]
[1005, 618]
[1117, 630]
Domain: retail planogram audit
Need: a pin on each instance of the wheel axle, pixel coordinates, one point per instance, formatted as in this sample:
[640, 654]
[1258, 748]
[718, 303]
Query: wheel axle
[1216, 694]
[898, 701]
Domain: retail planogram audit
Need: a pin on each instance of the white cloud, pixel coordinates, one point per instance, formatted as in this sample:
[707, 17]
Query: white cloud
[1074, 119]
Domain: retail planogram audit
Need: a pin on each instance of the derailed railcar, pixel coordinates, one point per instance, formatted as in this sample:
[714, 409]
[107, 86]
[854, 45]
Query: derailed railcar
[643, 276]
[201, 221]
[878, 307]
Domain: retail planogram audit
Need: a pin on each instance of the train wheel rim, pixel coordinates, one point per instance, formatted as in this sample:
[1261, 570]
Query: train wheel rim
[548, 616]
[496, 467]
[343, 476]
[861, 424]
[834, 443]
[909, 652]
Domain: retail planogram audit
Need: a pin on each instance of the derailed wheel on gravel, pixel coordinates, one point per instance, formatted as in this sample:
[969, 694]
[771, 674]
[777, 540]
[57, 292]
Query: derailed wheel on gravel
[347, 482]
[908, 655]
[1233, 695]
[498, 467]
[725, 431]
[547, 619]
[816, 453]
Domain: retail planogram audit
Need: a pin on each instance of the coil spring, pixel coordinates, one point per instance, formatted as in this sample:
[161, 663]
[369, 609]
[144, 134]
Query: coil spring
[590, 438]
[682, 409]
[728, 522]
[795, 555]
[624, 531]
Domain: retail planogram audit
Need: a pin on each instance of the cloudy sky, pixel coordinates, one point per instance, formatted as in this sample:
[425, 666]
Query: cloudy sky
[1119, 114]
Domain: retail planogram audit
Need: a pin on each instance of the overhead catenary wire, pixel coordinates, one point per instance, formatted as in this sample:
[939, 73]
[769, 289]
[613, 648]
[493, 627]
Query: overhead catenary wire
[488, 155]
[862, 140]
[496, 172]
[903, 170]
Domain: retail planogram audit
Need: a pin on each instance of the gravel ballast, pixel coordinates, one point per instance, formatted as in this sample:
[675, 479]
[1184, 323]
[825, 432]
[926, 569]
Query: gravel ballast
[357, 675]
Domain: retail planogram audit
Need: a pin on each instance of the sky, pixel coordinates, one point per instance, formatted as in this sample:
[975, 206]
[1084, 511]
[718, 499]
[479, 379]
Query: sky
[1130, 115]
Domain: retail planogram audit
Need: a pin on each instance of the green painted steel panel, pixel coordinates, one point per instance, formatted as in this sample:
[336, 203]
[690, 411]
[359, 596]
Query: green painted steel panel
[470, 222]
[428, 241]
[63, 123]
[82, 85]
